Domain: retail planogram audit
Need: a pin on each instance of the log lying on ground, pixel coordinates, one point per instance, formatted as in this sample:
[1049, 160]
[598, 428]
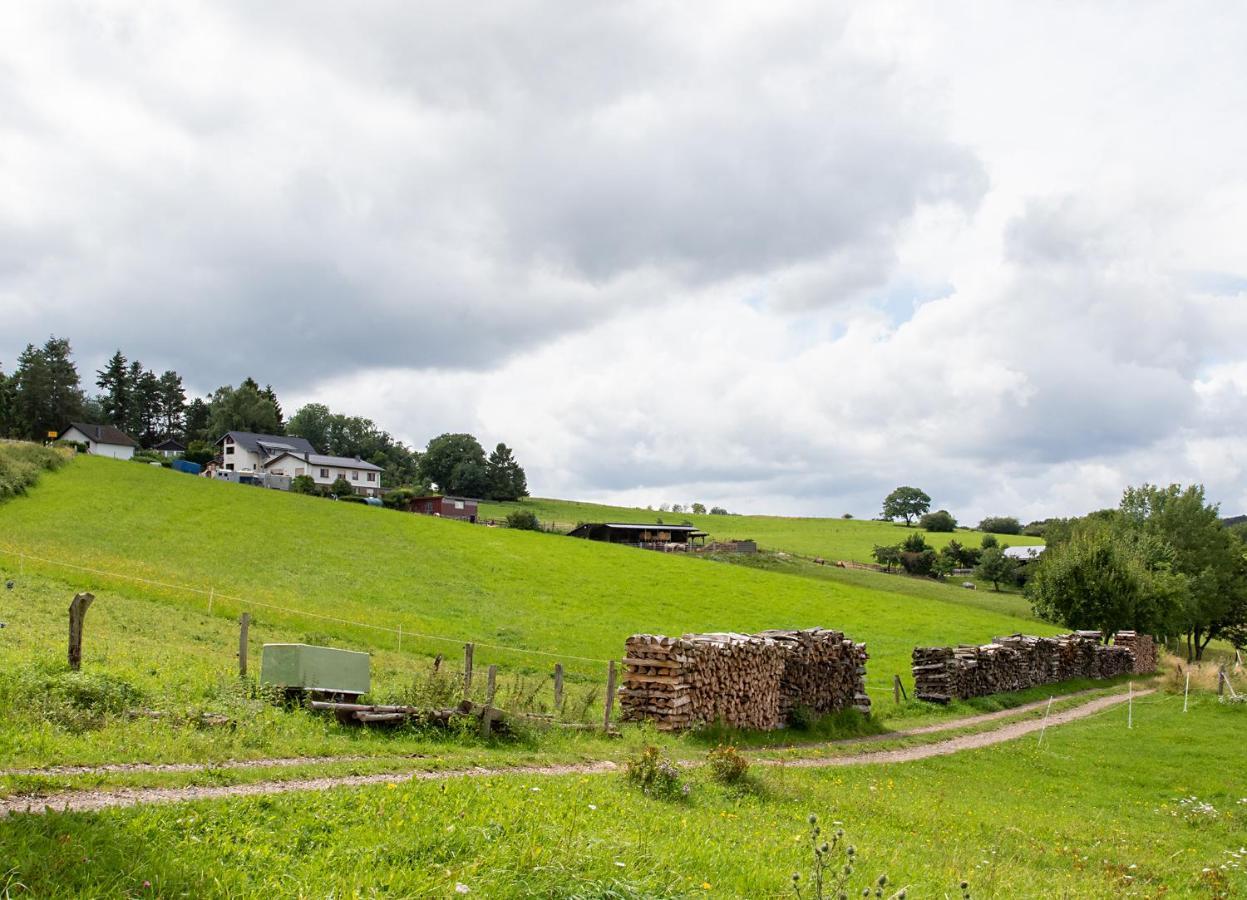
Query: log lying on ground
[1017, 662]
[745, 681]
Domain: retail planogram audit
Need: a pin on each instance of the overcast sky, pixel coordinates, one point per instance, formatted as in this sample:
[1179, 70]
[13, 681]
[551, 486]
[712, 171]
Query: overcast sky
[781, 257]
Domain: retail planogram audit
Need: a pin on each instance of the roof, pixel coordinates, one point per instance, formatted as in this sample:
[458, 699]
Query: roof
[317, 459]
[633, 526]
[1024, 552]
[269, 444]
[170, 444]
[104, 434]
[443, 497]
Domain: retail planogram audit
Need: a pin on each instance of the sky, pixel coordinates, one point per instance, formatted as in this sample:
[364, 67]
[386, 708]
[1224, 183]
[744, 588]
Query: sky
[780, 257]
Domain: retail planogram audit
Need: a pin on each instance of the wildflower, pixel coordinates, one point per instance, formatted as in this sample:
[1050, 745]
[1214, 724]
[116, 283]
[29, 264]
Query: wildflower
[593, 806]
[461, 888]
[705, 885]
[392, 786]
[146, 885]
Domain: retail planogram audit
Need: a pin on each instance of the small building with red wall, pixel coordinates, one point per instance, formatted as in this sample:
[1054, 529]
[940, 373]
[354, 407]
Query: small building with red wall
[446, 507]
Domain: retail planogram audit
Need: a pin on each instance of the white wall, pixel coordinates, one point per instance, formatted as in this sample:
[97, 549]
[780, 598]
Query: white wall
[112, 451]
[241, 459]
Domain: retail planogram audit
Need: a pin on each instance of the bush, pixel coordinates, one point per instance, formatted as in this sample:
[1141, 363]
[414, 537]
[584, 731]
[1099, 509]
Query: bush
[73, 701]
[523, 519]
[727, 764]
[940, 520]
[400, 498]
[914, 543]
[341, 487]
[921, 562]
[303, 484]
[76, 446]
[655, 775]
[21, 464]
[1001, 525]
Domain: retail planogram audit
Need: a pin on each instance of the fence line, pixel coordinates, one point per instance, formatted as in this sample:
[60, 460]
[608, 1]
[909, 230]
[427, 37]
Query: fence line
[213, 594]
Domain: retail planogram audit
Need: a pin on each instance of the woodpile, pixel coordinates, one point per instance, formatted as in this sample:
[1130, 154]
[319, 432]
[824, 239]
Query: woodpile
[1143, 648]
[745, 681]
[1015, 663]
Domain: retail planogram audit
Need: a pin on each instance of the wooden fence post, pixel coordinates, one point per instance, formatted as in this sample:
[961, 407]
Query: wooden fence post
[244, 624]
[1221, 681]
[558, 687]
[487, 714]
[467, 670]
[610, 697]
[77, 613]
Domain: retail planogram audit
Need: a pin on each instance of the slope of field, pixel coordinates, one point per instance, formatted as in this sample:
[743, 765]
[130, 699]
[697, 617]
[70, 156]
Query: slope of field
[832, 539]
[436, 577]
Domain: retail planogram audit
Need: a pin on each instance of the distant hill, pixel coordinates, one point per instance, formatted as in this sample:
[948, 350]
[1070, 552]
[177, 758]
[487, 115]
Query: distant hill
[1233, 520]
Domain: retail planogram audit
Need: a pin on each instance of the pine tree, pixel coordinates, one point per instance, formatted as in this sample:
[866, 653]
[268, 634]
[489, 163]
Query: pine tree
[47, 394]
[8, 423]
[505, 477]
[114, 381]
[197, 413]
[271, 396]
[172, 403]
[147, 403]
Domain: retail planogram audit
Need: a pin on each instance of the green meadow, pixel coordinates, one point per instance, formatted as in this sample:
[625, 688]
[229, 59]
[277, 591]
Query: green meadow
[830, 539]
[1166, 818]
[527, 599]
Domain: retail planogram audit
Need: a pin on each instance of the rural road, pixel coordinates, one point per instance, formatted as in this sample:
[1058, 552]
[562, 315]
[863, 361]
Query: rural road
[91, 801]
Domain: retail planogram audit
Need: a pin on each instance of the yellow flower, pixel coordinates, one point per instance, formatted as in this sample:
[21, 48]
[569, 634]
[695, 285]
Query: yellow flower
[392, 785]
[705, 885]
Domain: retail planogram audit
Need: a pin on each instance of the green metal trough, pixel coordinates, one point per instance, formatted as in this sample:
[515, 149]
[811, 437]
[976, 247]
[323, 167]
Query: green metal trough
[319, 669]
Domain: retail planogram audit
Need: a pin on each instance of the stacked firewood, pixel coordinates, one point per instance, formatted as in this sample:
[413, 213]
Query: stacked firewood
[1016, 662]
[1143, 648]
[746, 681]
[823, 671]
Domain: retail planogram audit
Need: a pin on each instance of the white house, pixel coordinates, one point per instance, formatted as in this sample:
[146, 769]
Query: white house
[365, 478]
[101, 440]
[244, 451]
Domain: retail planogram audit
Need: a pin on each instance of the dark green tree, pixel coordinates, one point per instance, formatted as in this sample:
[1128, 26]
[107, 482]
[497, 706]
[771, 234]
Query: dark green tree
[47, 394]
[341, 487]
[197, 425]
[506, 479]
[114, 382]
[907, 503]
[450, 452]
[172, 404]
[940, 520]
[888, 557]
[996, 567]
[8, 413]
[145, 407]
[1001, 525]
[242, 408]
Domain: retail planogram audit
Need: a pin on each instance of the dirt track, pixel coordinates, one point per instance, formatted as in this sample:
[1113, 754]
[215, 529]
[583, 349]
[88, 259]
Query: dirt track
[89, 801]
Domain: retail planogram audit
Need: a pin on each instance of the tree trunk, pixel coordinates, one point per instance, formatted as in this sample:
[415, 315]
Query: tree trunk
[1190, 653]
[1199, 645]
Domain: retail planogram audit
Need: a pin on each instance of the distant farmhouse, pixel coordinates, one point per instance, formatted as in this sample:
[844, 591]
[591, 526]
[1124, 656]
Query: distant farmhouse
[651, 537]
[287, 456]
[169, 447]
[101, 440]
[445, 507]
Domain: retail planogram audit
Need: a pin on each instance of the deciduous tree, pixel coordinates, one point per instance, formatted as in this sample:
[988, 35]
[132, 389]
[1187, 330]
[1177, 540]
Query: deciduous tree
[907, 503]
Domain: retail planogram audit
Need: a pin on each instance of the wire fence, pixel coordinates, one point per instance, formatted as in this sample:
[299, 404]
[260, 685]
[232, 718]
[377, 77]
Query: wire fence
[213, 595]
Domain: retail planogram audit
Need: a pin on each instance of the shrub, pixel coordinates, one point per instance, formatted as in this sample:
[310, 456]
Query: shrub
[940, 520]
[914, 543]
[22, 463]
[727, 764]
[847, 516]
[1001, 525]
[341, 487]
[888, 557]
[73, 701]
[302, 484]
[400, 498]
[655, 775]
[523, 519]
[919, 562]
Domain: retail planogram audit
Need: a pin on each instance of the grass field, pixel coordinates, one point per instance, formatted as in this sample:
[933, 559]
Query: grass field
[1018, 820]
[831, 539]
[507, 589]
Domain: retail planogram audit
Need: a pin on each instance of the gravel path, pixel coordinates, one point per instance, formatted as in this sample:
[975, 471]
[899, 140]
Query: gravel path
[90, 801]
[274, 763]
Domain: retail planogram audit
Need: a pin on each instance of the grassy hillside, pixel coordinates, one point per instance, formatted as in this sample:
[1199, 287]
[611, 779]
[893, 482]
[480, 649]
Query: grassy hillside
[832, 539]
[437, 577]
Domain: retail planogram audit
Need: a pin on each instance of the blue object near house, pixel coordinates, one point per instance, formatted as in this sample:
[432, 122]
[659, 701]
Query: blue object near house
[189, 468]
[373, 501]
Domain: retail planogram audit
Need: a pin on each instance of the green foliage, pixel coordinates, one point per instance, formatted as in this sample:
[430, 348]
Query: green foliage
[341, 487]
[907, 503]
[914, 543]
[44, 394]
[72, 701]
[940, 520]
[351, 436]
[698, 509]
[655, 774]
[244, 408]
[456, 464]
[919, 562]
[506, 479]
[400, 498]
[960, 556]
[303, 484]
[887, 556]
[718, 511]
[21, 465]
[1001, 525]
[989, 541]
[201, 452]
[727, 765]
[524, 520]
[996, 567]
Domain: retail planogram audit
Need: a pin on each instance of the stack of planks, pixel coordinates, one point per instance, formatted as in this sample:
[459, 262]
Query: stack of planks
[1016, 662]
[741, 680]
[1143, 648]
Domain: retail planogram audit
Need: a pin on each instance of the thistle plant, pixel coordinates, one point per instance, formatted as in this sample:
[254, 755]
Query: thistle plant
[832, 871]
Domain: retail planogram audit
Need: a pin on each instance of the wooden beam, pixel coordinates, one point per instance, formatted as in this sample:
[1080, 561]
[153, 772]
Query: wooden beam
[77, 615]
[244, 625]
[558, 688]
[610, 697]
[467, 670]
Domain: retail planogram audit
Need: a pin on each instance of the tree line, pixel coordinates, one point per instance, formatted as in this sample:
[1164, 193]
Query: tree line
[45, 393]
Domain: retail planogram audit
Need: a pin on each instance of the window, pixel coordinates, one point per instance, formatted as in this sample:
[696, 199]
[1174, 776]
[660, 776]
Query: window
[372, 476]
[229, 449]
[458, 504]
[229, 466]
[324, 473]
[354, 476]
[298, 471]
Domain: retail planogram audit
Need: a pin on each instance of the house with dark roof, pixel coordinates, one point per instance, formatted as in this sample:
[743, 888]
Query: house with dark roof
[101, 440]
[245, 451]
[169, 447]
[364, 477]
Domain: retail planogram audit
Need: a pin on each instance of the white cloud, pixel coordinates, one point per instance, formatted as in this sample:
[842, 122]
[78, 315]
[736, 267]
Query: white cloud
[776, 256]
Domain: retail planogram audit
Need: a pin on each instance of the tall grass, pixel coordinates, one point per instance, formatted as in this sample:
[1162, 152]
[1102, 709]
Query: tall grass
[22, 463]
